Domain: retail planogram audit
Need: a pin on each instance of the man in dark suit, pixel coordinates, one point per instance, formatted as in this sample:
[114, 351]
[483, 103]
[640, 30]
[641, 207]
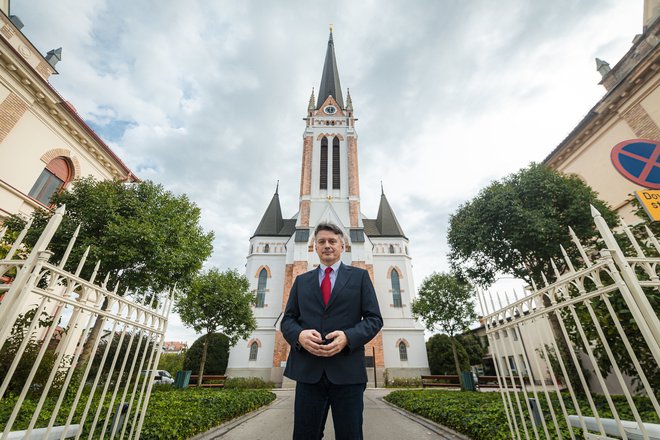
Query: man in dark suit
[332, 312]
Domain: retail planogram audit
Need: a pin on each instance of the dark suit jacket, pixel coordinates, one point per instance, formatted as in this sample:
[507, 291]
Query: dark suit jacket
[353, 308]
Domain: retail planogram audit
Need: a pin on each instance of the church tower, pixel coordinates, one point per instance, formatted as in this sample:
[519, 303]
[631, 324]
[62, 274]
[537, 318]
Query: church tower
[281, 249]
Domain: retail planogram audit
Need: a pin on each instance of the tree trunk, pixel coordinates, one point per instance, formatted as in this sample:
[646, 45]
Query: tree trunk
[93, 334]
[457, 364]
[202, 362]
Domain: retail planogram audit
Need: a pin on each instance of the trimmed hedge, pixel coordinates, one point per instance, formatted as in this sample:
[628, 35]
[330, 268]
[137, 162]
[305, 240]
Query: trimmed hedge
[481, 415]
[172, 414]
[181, 414]
[247, 383]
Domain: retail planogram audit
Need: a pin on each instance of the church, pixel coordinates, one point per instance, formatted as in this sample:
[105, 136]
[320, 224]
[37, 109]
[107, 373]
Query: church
[283, 248]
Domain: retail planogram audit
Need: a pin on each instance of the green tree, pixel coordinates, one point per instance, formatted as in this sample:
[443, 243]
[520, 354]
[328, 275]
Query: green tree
[444, 303]
[216, 357]
[472, 346]
[147, 238]
[171, 362]
[516, 225]
[440, 350]
[218, 301]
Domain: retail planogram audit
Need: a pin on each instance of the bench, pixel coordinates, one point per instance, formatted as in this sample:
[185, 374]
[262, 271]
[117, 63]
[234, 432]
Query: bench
[219, 381]
[441, 380]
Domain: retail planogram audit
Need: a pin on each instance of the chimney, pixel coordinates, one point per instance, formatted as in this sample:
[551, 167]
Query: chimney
[54, 56]
[16, 21]
[603, 67]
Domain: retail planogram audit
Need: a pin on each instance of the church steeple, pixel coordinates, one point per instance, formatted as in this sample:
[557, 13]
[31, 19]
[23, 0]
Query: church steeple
[386, 222]
[330, 78]
[272, 222]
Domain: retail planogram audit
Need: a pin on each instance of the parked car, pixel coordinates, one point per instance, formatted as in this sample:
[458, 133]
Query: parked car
[161, 377]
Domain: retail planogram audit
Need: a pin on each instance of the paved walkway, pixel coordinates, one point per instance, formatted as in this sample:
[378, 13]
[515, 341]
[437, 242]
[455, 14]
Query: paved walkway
[382, 421]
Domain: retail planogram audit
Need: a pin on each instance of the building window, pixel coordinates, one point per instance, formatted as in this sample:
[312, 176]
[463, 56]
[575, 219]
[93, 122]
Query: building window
[396, 289]
[266, 248]
[391, 249]
[335, 164]
[323, 182]
[403, 351]
[261, 288]
[52, 179]
[254, 348]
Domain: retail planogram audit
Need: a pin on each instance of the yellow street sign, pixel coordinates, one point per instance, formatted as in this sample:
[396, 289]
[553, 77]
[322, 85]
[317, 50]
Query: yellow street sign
[650, 200]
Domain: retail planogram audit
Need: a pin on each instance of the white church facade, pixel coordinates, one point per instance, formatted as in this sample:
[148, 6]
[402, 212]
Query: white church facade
[282, 248]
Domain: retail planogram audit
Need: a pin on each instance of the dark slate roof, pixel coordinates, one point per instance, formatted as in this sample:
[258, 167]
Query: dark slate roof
[385, 224]
[330, 78]
[272, 223]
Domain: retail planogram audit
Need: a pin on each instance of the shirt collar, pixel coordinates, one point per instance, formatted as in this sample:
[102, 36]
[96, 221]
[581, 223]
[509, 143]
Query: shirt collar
[335, 267]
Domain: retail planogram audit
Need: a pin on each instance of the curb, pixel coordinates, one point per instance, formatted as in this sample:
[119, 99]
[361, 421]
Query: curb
[446, 433]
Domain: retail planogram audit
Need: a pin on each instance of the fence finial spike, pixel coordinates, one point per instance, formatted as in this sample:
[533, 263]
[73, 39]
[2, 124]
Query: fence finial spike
[554, 268]
[569, 263]
[61, 209]
[82, 261]
[534, 285]
[545, 279]
[594, 212]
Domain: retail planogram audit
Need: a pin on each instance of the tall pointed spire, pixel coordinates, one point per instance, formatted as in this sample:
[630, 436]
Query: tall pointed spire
[272, 221]
[386, 221]
[330, 78]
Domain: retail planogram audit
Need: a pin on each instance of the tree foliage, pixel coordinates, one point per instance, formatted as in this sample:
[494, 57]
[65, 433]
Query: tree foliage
[470, 342]
[218, 301]
[444, 302]
[171, 362]
[144, 236]
[516, 225]
[216, 358]
[441, 357]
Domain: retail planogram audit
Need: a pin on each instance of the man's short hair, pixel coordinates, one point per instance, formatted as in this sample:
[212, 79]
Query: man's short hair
[324, 226]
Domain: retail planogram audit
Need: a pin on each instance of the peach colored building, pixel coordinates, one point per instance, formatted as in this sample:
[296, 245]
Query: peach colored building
[616, 147]
[44, 143]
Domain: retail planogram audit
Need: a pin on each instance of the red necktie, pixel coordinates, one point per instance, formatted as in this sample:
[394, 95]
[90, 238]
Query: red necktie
[326, 285]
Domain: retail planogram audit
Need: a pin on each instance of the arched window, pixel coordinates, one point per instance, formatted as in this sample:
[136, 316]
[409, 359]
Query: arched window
[52, 179]
[391, 249]
[261, 288]
[323, 182]
[335, 163]
[254, 348]
[266, 248]
[403, 351]
[396, 289]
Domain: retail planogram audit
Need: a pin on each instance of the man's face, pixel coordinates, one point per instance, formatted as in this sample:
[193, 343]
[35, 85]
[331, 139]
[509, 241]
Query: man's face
[329, 246]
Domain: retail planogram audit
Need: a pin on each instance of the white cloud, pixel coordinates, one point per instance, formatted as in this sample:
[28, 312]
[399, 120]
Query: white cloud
[207, 97]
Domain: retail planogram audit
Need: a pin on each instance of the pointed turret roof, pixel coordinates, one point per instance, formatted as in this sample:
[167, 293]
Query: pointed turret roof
[386, 221]
[272, 223]
[330, 78]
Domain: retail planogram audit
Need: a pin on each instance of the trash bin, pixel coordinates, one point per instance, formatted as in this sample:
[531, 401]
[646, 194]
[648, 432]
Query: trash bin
[468, 381]
[182, 379]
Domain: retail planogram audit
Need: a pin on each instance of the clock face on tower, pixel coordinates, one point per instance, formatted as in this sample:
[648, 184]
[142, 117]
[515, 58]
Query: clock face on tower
[330, 110]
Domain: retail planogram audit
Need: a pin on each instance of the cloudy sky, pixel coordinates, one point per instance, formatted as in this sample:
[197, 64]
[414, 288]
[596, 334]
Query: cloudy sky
[207, 97]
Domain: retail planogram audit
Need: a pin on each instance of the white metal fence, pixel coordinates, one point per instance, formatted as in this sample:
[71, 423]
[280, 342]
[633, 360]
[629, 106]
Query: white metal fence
[579, 358]
[78, 357]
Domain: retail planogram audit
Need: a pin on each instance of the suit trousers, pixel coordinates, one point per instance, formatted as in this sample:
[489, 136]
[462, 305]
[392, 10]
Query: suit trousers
[313, 402]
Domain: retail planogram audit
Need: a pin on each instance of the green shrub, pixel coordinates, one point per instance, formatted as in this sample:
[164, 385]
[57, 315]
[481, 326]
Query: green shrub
[172, 414]
[441, 356]
[247, 383]
[404, 382]
[216, 357]
[171, 362]
[481, 415]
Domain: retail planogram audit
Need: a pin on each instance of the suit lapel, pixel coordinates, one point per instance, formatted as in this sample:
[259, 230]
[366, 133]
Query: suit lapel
[315, 287]
[343, 274]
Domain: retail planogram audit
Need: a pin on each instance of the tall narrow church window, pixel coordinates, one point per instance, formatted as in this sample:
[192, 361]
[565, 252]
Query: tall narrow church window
[266, 248]
[261, 288]
[391, 249]
[53, 178]
[403, 351]
[396, 289]
[254, 348]
[335, 164]
[323, 182]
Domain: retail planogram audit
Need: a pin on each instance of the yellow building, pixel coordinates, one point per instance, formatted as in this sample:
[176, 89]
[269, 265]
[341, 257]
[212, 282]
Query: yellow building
[44, 143]
[616, 147]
